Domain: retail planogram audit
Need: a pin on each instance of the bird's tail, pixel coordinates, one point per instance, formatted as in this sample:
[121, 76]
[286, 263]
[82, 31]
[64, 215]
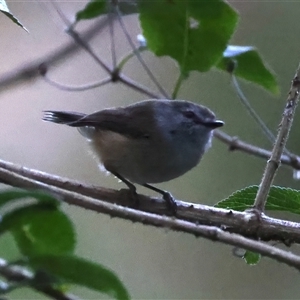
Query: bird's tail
[62, 117]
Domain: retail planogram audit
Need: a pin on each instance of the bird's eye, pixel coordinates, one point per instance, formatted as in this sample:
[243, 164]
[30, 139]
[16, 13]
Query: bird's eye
[189, 114]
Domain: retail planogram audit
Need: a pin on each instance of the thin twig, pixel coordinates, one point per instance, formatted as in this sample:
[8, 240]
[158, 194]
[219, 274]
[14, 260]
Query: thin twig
[31, 70]
[137, 86]
[64, 18]
[236, 144]
[282, 136]
[77, 88]
[19, 274]
[177, 85]
[115, 76]
[76, 37]
[128, 56]
[79, 40]
[268, 133]
[139, 57]
[112, 40]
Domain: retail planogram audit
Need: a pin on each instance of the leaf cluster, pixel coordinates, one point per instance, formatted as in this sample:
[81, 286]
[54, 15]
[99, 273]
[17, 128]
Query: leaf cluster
[46, 240]
[196, 34]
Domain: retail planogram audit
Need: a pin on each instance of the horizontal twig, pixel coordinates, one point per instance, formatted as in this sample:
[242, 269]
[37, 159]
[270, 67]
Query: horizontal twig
[267, 229]
[207, 231]
[235, 143]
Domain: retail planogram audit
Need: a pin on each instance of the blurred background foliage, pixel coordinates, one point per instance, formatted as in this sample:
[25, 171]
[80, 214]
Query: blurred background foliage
[152, 263]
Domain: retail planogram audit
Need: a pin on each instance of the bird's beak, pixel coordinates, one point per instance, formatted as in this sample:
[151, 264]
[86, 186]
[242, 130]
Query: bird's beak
[214, 124]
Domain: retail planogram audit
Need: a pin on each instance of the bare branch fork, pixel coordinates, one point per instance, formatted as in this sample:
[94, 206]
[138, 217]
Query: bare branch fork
[190, 216]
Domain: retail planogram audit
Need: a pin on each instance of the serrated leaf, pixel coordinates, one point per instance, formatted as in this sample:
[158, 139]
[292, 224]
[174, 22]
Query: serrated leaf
[194, 33]
[4, 9]
[40, 229]
[279, 199]
[13, 195]
[251, 258]
[76, 270]
[247, 64]
[93, 9]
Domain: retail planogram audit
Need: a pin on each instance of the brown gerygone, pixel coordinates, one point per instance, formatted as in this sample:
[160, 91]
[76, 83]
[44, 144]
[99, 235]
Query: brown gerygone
[151, 141]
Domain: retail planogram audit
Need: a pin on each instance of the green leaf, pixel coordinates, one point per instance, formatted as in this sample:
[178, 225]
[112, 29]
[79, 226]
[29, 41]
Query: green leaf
[194, 33]
[93, 9]
[96, 8]
[279, 199]
[40, 229]
[251, 258]
[79, 271]
[7, 196]
[246, 63]
[4, 9]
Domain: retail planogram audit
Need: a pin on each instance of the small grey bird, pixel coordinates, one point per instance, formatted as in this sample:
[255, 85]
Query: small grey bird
[148, 142]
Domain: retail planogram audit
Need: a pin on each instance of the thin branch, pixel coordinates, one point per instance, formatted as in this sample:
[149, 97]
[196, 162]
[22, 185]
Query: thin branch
[79, 40]
[136, 86]
[31, 70]
[282, 137]
[139, 57]
[67, 22]
[177, 85]
[112, 40]
[268, 133]
[128, 56]
[76, 37]
[238, 222]
[77, 88]
[19, 274]
[114, 73]
[236, 144]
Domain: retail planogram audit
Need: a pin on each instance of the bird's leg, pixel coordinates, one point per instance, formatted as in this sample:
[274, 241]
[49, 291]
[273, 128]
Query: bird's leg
[131, 188]
[170, 201]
